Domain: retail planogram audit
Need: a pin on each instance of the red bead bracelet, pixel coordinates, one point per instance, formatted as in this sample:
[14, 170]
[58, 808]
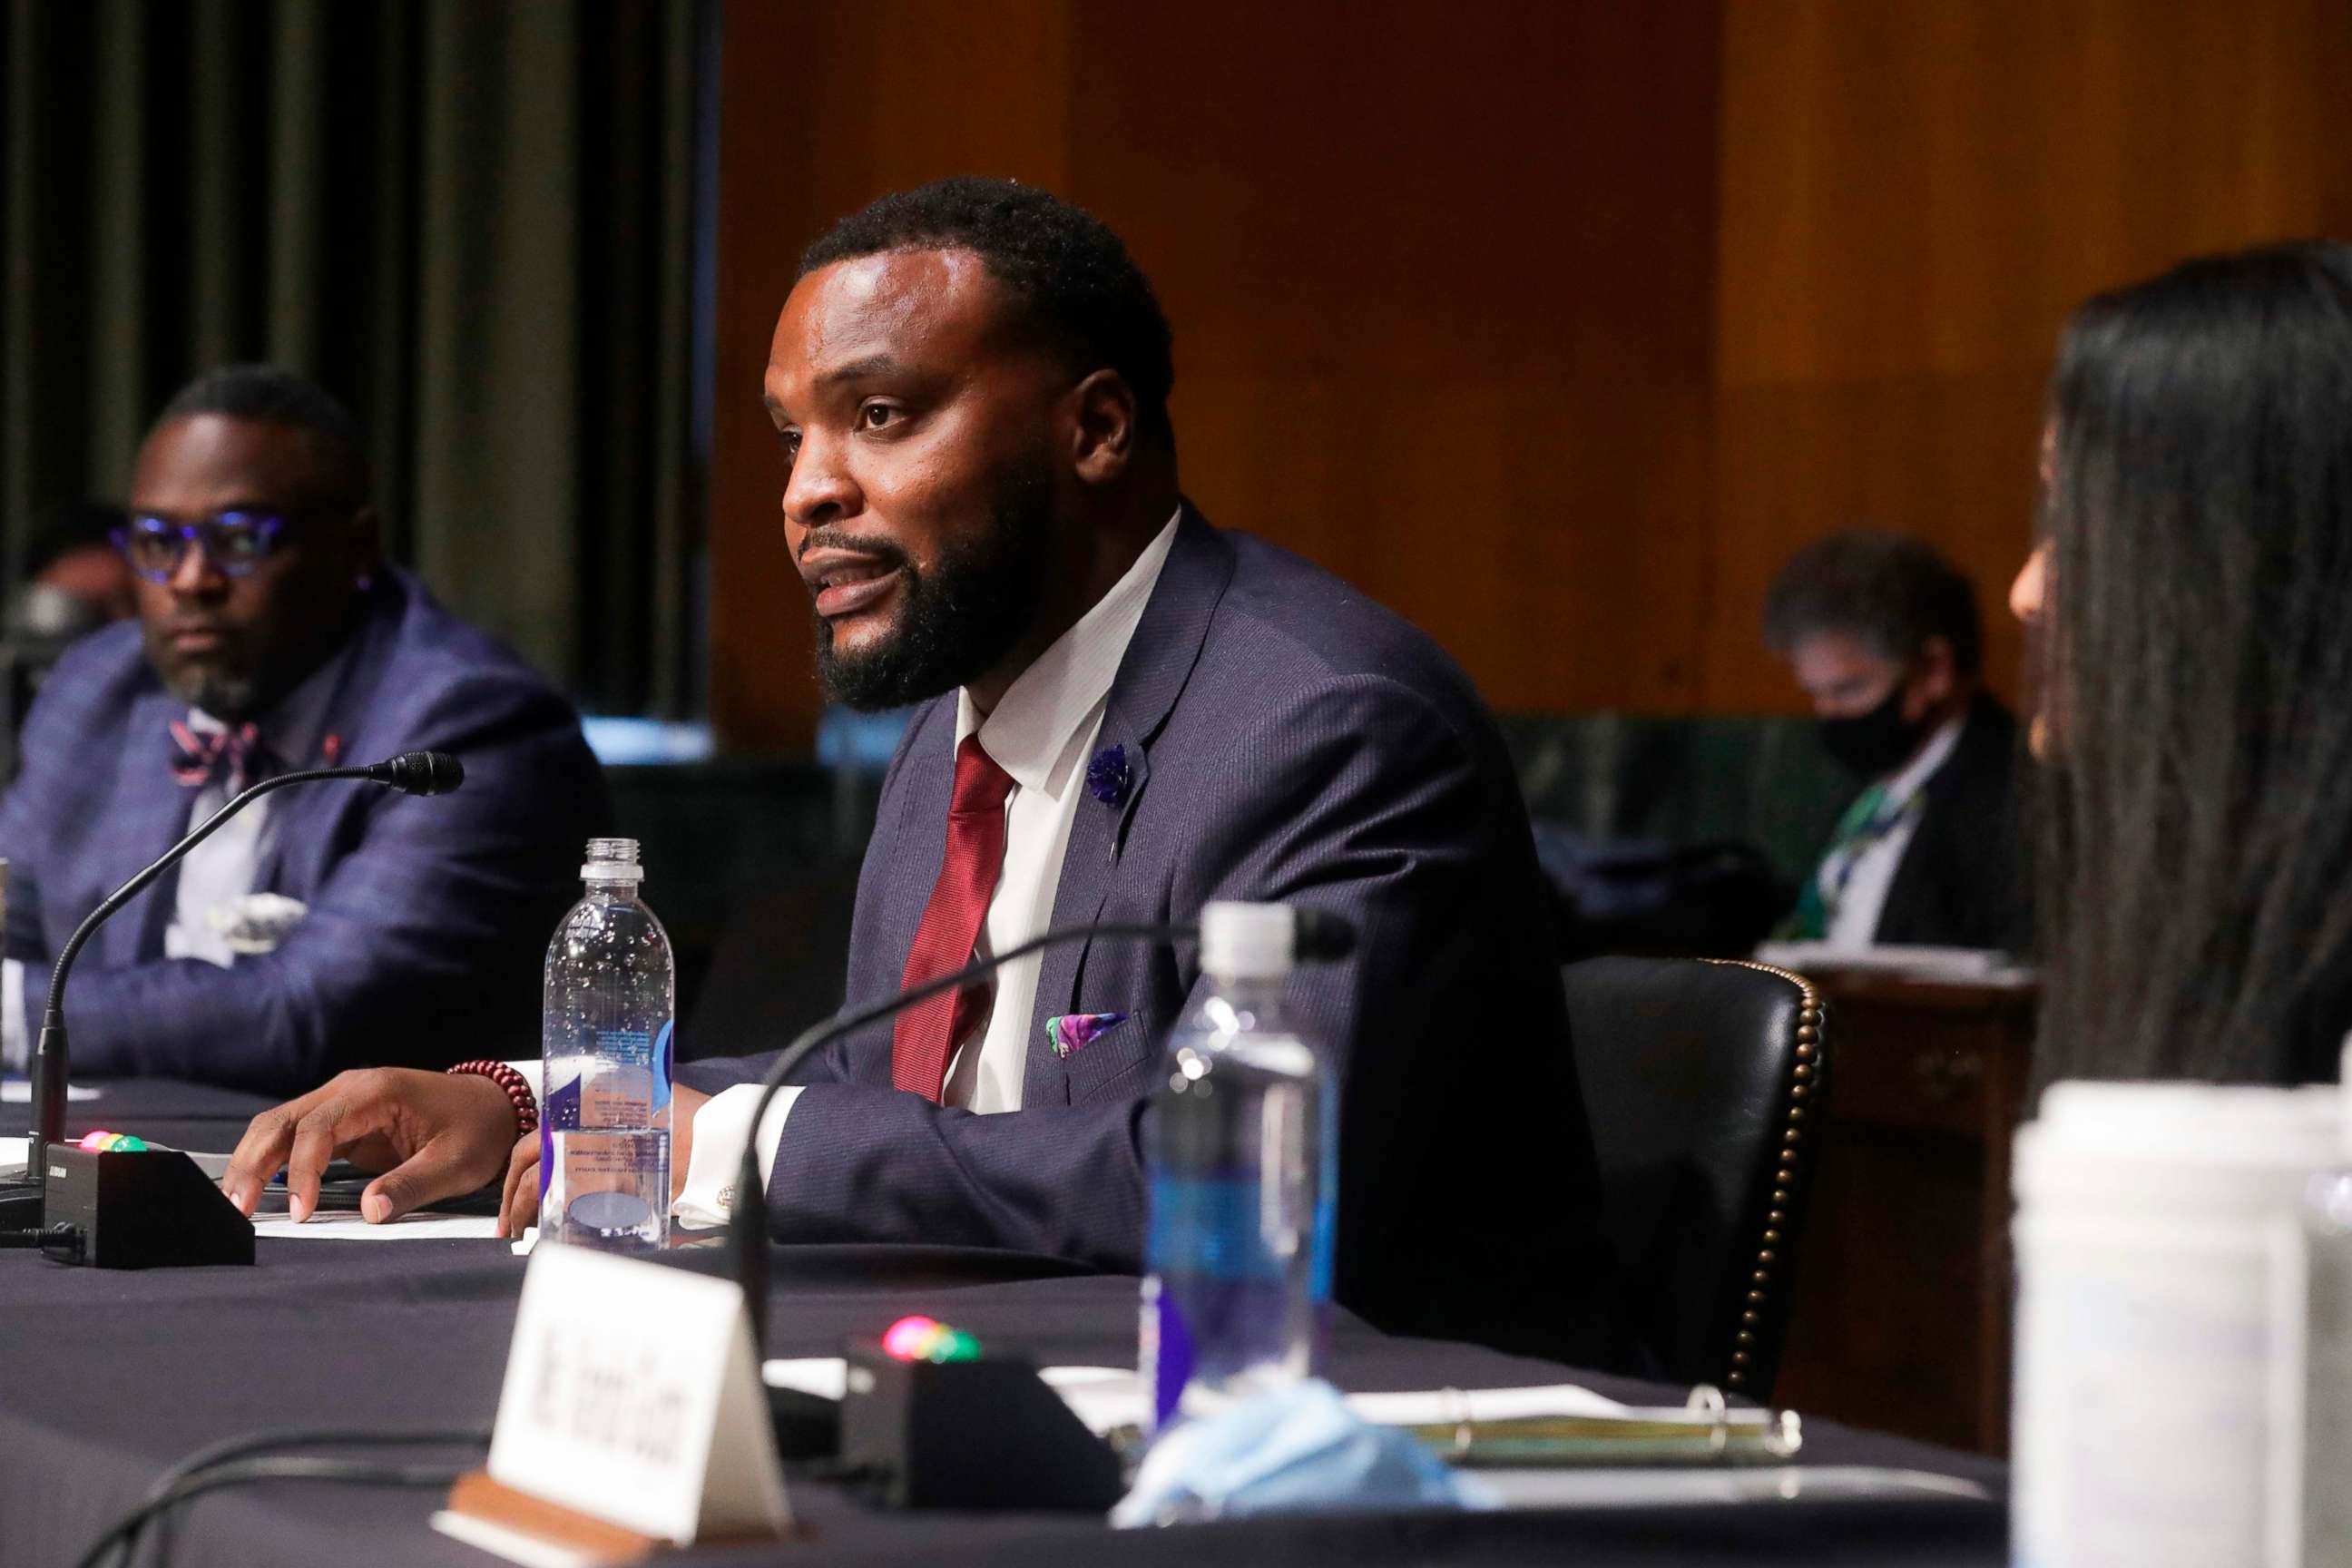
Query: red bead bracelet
[517, 1088]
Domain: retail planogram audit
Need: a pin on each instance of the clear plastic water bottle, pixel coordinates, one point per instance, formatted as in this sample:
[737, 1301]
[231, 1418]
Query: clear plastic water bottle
[605, 1037]
[2326, 1333]
[1239, 1154]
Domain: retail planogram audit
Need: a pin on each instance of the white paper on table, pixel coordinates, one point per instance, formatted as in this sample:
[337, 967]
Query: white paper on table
[1106, 1398]
[19, 1092]
[825, 1376]
[1677, 1486]
[1946, 965]
[407, 1228]
[1452, 1406]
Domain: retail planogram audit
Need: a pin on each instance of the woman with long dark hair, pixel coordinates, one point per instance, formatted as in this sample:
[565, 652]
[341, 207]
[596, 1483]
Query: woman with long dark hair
[2192, 600]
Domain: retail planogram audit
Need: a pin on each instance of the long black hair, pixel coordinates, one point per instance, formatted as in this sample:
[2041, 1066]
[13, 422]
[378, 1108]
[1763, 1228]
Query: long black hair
[2196, 665]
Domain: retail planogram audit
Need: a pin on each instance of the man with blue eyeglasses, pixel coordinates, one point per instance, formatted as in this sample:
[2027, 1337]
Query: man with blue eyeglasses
[322, 927]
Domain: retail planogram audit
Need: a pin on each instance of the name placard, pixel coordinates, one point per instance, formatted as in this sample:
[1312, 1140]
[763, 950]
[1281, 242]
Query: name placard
[632, 1396]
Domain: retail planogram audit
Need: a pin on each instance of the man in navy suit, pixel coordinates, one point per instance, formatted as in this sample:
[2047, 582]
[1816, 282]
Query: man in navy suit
[1127, 713]
[326, 925]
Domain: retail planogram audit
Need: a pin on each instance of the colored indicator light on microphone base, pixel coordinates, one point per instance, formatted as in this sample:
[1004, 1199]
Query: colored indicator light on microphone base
[927, 1338]
[111, 1143]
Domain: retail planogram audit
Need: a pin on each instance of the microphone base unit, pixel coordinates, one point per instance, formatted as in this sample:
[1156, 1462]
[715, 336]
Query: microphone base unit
[146, 1208]
[971, 1435]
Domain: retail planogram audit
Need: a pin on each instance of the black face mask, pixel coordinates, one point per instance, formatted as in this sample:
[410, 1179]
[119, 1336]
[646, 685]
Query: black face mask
[1870, 744]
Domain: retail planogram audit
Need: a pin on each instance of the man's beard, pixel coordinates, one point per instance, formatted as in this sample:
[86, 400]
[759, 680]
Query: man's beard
[958, 618]
[231, 696]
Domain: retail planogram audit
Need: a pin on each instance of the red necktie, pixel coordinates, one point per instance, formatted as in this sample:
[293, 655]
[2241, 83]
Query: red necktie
[925, 1033]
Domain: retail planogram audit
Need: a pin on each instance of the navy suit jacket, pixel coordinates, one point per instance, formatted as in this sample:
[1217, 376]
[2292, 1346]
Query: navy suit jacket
[428, 916]
[1289, 739]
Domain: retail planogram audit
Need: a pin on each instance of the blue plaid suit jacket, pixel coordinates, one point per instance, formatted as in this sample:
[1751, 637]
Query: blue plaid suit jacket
[1289, 739]
[428, 916]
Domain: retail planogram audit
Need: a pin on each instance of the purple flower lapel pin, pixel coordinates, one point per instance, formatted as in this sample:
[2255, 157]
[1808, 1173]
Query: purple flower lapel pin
[1108, 776]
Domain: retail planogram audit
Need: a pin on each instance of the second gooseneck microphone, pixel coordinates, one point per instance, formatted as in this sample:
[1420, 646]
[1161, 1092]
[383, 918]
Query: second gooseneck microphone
[411, 773]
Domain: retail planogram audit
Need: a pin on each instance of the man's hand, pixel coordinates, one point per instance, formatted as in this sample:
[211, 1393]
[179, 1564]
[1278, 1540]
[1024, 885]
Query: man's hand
[519, 1203]
[434, 1135]
[518, 1208]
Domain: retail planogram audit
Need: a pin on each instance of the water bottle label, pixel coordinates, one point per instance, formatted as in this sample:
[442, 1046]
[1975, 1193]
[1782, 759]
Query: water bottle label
[1169, 1356]
[558, 1111]
[1326, 1233]
[630, 1062]
[1210, 1225]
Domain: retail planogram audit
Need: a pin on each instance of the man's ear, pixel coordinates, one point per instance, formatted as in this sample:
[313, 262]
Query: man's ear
[1105, 433]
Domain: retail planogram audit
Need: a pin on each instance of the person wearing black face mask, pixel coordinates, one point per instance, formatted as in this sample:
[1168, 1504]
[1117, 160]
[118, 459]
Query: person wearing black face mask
[1883, 635]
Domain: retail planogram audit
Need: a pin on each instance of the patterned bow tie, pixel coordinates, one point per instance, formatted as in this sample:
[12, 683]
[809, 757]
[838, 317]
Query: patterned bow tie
[236, 754]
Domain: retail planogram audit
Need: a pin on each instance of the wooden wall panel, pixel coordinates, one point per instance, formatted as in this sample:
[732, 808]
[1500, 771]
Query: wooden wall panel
[1555, 326]
[1440, 280]
[1913, 197]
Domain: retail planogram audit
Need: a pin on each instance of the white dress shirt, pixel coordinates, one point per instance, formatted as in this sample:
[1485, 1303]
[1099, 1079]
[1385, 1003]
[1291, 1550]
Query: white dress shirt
[220, 870]
[1042, 733]
[1855, 921]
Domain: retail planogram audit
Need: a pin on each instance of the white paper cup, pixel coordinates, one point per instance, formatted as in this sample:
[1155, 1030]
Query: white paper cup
[2151, 1427]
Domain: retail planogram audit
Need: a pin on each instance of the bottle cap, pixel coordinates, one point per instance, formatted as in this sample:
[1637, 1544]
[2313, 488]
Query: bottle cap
[1247, 942]
[612, 861]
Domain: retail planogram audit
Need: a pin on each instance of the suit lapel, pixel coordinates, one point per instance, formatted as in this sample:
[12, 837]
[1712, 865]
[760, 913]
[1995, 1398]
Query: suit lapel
[1159, 660]
[296, 842]
[1089, 864]
[908, 865]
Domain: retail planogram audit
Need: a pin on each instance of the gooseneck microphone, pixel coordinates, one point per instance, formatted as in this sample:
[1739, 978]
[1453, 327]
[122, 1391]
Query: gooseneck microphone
[411, 773]
[1319, 937]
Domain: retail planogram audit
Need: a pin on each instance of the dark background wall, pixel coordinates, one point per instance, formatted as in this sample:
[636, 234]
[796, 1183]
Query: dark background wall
[1555, 325]
[478, 223]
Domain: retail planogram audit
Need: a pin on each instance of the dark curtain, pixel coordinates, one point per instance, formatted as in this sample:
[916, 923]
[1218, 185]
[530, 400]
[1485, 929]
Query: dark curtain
[476, 222]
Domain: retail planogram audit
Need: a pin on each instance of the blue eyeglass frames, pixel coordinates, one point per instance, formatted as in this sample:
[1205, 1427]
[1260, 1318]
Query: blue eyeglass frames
[233, 541]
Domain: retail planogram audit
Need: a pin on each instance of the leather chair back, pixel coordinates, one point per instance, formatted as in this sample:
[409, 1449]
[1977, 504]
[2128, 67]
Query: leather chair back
[1702, 1078]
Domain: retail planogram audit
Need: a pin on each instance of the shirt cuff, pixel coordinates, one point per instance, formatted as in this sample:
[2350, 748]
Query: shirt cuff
[720, 1129]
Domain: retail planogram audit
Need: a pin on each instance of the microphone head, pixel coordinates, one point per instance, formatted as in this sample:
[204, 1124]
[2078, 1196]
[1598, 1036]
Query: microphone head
[421, 772]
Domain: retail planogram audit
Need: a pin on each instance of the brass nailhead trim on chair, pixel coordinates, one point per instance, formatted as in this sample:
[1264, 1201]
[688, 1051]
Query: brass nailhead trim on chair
[1807, 1049]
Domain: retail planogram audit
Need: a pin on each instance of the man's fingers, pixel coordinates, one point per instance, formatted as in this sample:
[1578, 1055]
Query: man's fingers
[520, 1211]
[526, 1210]
[317, 1136]
[522, 1175]
[442, 1169]
[262, 1150]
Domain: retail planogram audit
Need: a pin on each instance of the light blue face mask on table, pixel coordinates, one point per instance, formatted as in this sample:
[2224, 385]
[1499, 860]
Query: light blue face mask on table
[1291, 1450]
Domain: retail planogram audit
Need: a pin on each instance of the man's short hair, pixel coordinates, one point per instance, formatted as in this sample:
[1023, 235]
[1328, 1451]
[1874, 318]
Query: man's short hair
[272, 394]
[1064, 266]
[1890, 591]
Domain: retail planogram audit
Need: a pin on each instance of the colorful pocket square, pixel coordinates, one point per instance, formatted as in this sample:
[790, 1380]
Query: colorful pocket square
[1070, 1033]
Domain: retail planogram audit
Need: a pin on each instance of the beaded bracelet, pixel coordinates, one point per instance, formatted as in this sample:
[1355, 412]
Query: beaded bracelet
[517, 1088]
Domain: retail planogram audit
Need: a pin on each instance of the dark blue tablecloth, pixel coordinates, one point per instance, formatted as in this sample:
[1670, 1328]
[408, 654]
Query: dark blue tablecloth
[106, 1378]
